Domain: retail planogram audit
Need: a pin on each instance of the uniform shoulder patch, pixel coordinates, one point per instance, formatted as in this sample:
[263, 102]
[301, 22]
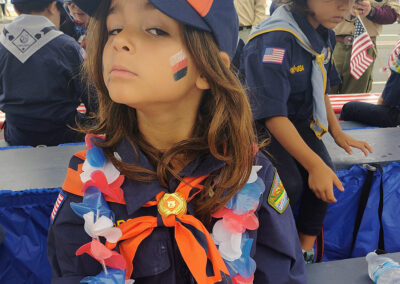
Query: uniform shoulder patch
[273, 55]
[57, 206]
[277, 197]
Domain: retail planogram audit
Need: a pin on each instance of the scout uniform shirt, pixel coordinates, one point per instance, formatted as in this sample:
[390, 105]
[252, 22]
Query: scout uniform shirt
[347, 27]
[279, 71]
[40, 86]
[391, 93]
[275, 249]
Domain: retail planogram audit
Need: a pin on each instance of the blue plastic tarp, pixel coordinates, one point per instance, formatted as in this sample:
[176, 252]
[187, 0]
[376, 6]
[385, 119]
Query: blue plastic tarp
[341, 216]
[24, 215]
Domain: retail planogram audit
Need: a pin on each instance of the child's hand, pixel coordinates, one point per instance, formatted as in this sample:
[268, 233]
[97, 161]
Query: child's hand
[363, 8]
[345, 141]
[321, 179]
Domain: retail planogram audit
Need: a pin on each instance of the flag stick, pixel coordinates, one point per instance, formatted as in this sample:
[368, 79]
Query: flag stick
[373, 46]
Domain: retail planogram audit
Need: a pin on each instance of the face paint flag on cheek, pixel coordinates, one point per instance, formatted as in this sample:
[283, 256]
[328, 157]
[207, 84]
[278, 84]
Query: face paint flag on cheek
[179, 64]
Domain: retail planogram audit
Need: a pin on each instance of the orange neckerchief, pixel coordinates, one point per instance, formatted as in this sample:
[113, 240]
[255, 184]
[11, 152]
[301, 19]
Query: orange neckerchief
[172, 213]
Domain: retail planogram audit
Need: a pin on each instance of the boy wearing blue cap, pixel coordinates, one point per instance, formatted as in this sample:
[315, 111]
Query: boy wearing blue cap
[288, 67]
[176, 167]
[40, 86]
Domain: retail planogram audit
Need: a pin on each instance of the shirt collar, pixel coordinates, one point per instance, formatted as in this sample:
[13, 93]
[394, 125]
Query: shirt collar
[319, 38]
[137, 193]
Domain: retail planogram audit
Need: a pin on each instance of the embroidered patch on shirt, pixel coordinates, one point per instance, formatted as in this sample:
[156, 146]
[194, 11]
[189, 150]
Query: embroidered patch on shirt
[273, 55]
[297, 69]
[277, 197]
[57, 205]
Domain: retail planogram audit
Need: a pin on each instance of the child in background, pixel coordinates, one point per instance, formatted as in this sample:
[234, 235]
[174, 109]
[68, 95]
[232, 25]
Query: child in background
[288, 67]
[386, 113]
[81, 21]
[174, 155]
[40, 86]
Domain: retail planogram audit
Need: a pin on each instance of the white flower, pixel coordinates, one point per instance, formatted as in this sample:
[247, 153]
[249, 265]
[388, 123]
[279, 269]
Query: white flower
[229, 243]
[109, 170]
[253, 176]
[103, 227]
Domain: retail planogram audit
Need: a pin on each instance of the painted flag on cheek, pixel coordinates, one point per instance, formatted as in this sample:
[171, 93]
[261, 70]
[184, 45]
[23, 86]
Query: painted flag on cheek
[179, 64]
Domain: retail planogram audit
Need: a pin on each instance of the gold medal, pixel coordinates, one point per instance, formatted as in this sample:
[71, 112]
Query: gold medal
[172, 203]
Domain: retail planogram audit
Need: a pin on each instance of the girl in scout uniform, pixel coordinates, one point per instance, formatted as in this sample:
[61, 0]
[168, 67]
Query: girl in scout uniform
[171, 188]
[288, 67]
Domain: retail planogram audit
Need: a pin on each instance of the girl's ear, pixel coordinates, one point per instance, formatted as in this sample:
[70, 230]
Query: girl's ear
[225, 58]
[202, 83]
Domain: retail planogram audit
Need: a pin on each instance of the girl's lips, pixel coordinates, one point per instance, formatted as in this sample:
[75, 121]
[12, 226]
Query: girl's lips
[120, 71]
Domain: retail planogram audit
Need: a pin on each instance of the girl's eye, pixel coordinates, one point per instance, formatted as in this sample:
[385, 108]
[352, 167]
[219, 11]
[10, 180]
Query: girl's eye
[157, 32]
[114, 31]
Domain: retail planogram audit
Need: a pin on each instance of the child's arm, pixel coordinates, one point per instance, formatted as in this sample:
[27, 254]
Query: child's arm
[342, 139]
[321, 177]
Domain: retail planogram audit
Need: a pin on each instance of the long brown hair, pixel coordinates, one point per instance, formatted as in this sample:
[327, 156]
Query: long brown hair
[224, 125]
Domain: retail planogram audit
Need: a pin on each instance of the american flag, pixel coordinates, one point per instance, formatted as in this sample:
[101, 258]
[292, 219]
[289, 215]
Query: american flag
[274, 55]
[360, 60]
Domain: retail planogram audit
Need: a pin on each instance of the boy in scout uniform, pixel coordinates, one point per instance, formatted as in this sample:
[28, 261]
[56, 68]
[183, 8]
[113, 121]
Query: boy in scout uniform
[374, 14]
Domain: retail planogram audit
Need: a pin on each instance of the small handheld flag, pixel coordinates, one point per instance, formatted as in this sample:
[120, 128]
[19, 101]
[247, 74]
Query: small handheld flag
[360, 60]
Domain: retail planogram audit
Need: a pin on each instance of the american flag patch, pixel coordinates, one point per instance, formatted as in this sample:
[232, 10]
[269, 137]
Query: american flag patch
[273, 55]
[57, 205]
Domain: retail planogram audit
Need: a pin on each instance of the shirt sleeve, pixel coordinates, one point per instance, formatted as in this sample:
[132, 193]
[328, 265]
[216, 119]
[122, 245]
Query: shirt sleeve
[391, 92]
[66, 234]
[278, 254]
[385, 15]
[265, 63]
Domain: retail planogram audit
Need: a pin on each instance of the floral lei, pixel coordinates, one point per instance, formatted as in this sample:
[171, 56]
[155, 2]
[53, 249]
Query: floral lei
[101, 179]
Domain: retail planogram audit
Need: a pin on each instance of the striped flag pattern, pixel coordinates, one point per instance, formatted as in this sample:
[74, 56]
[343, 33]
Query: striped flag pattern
[273, 55]
[360, 60]
[57, 205]
[337, 101]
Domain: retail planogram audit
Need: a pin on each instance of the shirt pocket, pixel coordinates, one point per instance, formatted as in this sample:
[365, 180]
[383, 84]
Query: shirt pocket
[151, 258]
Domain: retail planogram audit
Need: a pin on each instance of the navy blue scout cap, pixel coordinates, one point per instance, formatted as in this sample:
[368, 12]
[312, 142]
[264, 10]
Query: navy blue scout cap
[215, 16]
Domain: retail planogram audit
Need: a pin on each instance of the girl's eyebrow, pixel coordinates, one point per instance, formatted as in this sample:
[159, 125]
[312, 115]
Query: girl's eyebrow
[113, 9]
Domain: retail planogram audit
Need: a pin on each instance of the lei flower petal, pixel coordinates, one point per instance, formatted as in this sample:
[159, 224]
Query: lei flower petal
[95, 157]
[113, 276]
[237, 223]
[93, 201]
[238, 279]
[248, 198]
[229, 244]
[98, 179]
[101, 253]
[103, 227]
[109, 170]
[253, 175]
[230, 234]
[245, 265]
